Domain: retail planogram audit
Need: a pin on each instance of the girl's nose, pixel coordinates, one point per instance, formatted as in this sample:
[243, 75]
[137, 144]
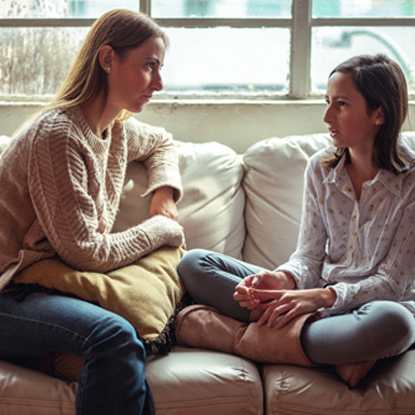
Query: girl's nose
[327, 115]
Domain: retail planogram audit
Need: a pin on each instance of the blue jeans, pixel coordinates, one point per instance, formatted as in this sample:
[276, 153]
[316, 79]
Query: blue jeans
[113, 378]
[376, 330]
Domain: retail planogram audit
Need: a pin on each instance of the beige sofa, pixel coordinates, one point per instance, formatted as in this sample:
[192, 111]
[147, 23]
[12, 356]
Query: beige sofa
[247, 206]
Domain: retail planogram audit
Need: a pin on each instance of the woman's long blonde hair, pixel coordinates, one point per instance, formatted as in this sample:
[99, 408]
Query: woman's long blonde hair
[122, 30]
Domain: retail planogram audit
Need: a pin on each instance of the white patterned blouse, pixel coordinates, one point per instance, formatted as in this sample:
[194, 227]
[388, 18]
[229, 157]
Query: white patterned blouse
[363, 249]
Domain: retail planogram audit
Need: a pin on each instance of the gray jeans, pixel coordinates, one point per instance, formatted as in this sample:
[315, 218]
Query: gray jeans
[373, 331]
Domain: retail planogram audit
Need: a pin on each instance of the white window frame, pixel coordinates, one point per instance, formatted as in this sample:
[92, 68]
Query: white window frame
[301, 25]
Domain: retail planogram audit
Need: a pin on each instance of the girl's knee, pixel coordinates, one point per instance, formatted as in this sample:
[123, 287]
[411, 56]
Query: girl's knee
[398, 321]
[191, 262]
[403, 322]
[390, 313]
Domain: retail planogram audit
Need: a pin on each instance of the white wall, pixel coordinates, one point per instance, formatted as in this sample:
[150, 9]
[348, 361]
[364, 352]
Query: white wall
[237, 124]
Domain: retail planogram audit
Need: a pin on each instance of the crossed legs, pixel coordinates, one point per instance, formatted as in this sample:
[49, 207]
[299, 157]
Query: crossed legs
[374, 331]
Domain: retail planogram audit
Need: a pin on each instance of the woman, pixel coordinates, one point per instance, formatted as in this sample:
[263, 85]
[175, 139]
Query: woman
[61, 179]
[346, 297]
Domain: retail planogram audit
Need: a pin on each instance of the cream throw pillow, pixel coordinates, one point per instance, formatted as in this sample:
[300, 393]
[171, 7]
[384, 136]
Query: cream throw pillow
[145, 293]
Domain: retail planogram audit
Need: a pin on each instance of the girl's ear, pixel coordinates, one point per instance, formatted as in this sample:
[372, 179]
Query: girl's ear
[379, 116]
[106, 58]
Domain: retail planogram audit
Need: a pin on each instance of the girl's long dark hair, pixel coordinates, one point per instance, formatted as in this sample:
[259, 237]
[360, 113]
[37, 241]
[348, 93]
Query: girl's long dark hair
[382, 83]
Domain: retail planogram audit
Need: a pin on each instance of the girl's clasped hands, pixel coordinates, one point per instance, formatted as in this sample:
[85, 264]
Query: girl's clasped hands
[274, 301]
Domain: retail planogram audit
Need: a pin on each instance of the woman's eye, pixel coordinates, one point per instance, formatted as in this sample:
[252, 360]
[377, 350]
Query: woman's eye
[342, 103]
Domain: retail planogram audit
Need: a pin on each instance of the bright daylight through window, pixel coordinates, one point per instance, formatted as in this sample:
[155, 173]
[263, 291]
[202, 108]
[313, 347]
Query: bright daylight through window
[219, 48]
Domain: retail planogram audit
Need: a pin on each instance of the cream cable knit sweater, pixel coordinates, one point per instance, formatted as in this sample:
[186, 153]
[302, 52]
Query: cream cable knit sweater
[60, 189]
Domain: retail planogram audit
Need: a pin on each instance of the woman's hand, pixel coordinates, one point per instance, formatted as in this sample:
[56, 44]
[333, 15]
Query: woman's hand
[264, 280]
[281, 306]
[163, 203]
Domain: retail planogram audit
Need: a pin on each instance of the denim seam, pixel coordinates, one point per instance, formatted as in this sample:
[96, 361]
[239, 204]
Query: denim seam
[40, 322]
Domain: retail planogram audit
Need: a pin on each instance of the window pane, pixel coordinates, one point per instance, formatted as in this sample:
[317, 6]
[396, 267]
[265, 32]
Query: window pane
[333, 45]
[221, 8]
[33, 8]
[96, 8]
[363, 8]
[28, 67]
[61, 8]
[227, 60]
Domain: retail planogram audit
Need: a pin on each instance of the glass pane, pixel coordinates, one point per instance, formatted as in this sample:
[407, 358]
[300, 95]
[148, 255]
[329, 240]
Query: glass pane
[227, 60]
[33, 8]
[36, 60]
[96, 8]
[61, 8]
[333, 45]
[221, 8]
[363, 8]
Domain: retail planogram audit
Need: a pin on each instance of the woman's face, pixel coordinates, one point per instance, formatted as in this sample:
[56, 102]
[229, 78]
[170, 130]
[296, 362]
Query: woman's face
[347, 117]
[134, 78]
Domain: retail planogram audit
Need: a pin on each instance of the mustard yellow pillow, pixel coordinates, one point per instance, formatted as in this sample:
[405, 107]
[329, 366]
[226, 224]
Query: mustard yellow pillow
[145, 293]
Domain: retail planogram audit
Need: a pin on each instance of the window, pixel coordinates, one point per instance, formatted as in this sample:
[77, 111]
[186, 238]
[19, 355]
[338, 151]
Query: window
[219, 48]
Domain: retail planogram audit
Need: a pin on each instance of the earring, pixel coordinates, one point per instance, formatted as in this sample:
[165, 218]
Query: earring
[107, 69]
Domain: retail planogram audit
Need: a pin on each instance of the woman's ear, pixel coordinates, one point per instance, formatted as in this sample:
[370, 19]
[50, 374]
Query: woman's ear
[379, 116]
[106, 58]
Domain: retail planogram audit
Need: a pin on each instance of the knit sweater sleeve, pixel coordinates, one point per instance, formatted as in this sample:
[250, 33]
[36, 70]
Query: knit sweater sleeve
[64, 187]
[156, 149]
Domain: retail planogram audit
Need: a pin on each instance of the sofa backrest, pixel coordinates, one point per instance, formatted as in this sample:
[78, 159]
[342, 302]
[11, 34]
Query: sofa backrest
[4, 140]
[274, 189]
[246, 206]
[212, 209]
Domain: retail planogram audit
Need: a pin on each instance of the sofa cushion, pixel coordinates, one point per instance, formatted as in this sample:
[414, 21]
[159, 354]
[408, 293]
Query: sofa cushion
[28, 392]
[184, 382]
[274, 189]
[4, 141]
[409, 139]
[145, 293]
[387, 390]
[193, 381]
[212, 208]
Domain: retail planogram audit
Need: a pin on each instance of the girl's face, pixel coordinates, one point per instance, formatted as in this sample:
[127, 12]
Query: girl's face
[133, 79]
[348, 121]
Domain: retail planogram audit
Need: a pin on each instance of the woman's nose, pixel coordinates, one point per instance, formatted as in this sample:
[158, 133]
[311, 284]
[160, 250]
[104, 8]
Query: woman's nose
[157, 82]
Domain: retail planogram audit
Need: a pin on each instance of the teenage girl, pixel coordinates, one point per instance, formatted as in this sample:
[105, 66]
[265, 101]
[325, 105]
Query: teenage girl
[346, 296]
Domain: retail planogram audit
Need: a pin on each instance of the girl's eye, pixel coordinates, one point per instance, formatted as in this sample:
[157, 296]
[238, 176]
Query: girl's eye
[342, 104]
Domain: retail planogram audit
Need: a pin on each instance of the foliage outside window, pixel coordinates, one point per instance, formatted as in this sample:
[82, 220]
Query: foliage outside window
[219, 48]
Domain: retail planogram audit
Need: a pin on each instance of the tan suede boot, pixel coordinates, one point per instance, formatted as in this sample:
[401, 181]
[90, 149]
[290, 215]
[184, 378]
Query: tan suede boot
[256, 314]
[204, 327]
